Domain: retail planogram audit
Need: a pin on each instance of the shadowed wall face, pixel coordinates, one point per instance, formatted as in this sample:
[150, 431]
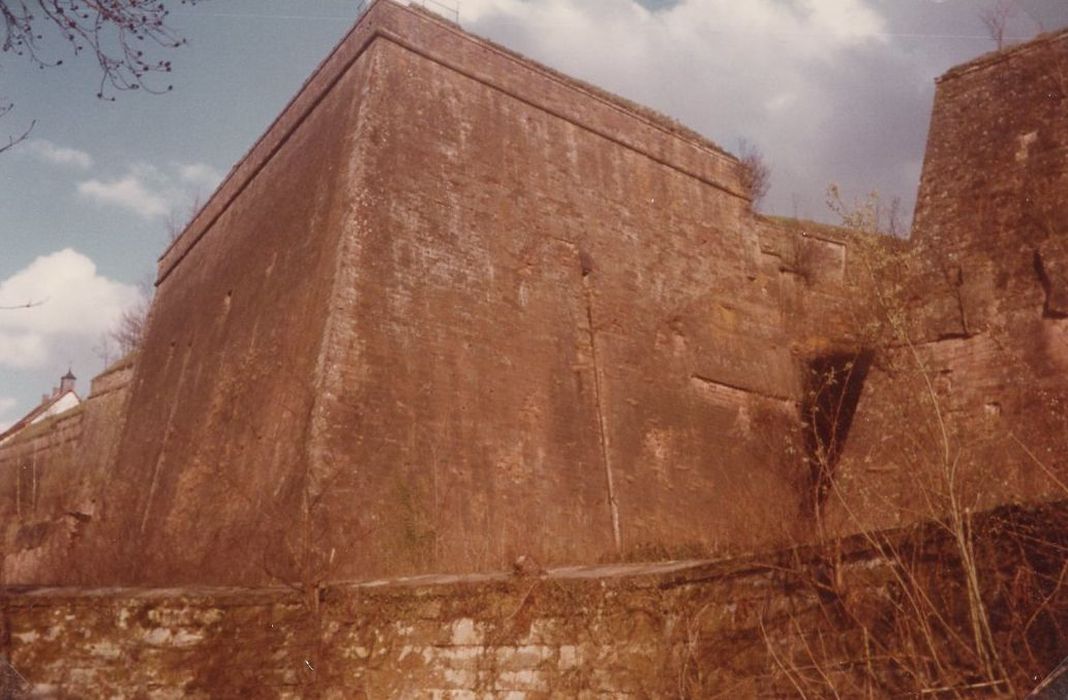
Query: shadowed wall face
[209, 483]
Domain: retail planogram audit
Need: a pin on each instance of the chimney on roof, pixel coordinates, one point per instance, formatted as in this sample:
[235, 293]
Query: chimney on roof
[66, 382]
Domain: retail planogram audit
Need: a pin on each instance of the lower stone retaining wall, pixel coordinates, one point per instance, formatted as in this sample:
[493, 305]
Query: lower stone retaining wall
[762, 626]
[125, 643]
[636, 631]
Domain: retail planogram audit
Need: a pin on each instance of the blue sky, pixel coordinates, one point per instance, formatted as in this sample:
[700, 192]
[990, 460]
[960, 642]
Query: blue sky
[829, 90]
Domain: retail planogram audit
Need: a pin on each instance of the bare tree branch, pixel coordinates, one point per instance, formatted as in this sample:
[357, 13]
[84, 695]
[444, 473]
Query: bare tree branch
[27, 305]
[996, 19]
[13, 141]
[120, 34]
[178, 219]
[756, 173]
[128, 331]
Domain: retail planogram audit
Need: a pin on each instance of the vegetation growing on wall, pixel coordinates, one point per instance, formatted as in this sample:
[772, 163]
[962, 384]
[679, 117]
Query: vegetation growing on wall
[952, 617]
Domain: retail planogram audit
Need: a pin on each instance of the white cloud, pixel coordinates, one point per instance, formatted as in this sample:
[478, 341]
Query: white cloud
[847, 21]
[200, 174]
[130, 193]
[780, 101]
[784, 74]
[151, 192]
[801, 26]
[22, 350]
[76, 305]
[49, 152]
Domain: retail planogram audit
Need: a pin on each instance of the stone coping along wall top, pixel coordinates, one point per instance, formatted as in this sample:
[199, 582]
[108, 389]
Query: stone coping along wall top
[443, 42]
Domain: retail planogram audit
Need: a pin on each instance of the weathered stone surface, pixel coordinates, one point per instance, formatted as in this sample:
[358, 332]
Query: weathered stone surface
[52, 477]
[766, 625]
[164, 643]
[454, 308]
[973, 403]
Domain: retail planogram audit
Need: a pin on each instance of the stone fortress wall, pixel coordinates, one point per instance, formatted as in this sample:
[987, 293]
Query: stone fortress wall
[982, 302]
[454, 307]
[501, 311]
[51, 476]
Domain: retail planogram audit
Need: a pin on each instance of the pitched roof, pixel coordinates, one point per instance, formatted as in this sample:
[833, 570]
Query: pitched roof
[40, 410]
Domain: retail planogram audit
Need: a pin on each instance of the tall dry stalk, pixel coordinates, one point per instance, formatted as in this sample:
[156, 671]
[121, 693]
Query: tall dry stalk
[924, 620]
